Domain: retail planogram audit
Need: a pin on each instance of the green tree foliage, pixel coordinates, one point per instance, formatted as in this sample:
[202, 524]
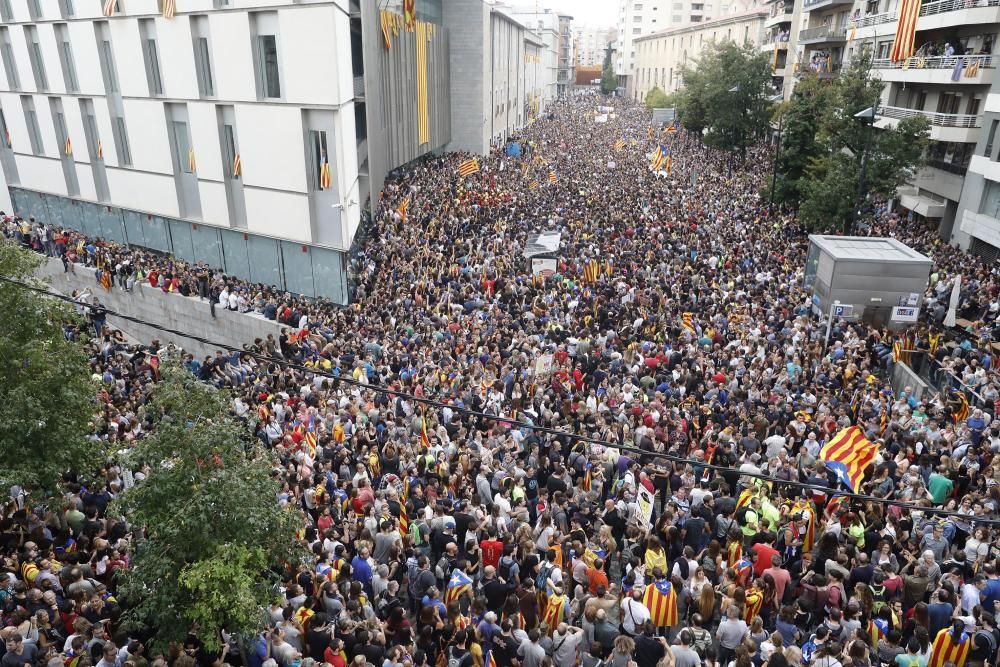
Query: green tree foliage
[726, 92]
[657, 99]
[827, 189]
[609, 80]
[214, 531]
[46, 395]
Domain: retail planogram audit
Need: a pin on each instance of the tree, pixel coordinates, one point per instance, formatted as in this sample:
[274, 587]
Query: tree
[46, 396]
[214, 533]
[657, 99]
[609, 80]
[726, 92]
[829, 195]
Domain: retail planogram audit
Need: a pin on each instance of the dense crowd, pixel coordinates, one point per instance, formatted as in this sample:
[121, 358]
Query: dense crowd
[675, 331]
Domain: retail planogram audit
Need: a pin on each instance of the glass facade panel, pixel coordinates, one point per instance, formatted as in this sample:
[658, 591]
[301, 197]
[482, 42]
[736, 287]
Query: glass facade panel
[133, 228]
[298, 268]
[180, 239]
[234, 250]
[157, 236]
[90, 221]
[328, 274]
[111, 224]
[207, 246]
[264, 261]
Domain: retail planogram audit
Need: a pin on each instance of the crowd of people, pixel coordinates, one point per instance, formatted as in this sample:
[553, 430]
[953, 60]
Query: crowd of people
[673, 356]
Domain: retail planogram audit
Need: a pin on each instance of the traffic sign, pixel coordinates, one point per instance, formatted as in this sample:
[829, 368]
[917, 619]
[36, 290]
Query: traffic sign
[843, 310]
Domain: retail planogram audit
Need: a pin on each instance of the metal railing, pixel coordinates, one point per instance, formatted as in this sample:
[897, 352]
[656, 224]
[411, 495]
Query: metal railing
[949, 167]
[823, 31]
[938, 119]
[932, 62]
[775, 13]
[812, 3]
[873, 19]
[359, 86]
[942, 6]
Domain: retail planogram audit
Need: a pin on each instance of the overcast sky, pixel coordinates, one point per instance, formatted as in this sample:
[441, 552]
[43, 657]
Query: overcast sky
[596, 13]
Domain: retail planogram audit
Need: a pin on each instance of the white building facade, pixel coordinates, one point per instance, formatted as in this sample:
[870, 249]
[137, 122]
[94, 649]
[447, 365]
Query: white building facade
[590, 45]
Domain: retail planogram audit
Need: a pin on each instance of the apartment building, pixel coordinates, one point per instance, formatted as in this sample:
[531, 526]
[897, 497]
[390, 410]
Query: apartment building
[780, 39]
[977, 227]
[661, 56]
[591, 44]
[635, 19]
[564, 73]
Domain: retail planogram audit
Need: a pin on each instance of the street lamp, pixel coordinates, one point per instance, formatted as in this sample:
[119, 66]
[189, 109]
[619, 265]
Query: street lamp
[868, 117]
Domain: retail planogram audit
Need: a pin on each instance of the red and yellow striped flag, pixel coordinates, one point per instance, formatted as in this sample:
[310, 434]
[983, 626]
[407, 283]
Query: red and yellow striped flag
[325, 176]
[100, 150]
[192, 162]
[68, 147]
[848, 454]
[754, 601]
[425, 440]
[949, 649]
[237, 166]
[410, 14]
[404, 519]
[687, 321]
[169, 8]
[906, 30]
[404, 209]
[552, 176]
[110, 6]
[469, 167]
[661, 600]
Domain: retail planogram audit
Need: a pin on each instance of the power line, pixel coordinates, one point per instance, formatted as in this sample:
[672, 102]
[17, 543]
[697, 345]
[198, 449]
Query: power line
[559, 433]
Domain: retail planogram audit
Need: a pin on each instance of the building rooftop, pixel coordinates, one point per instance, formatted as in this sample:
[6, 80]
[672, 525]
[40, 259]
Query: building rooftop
[703, 25]
[868, 249]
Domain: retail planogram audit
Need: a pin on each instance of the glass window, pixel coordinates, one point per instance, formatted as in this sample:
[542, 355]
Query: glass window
[180, 240]
[31, 121]
[267, 55]
[92, 137]
[34, 10]
[298, 268]
[182, 145]
[203, 65]
[5, 11]
[207, 245]
[222, 4]
[152, 67]
[317, 156]
[234, 252]
[991, 200]
[66, 8]
[121, 141]
[264, 263]
[229, 151]
[35, 56]
[108, 65]
[9, 64]
[329, 275]
[66, 60]
[988, 151]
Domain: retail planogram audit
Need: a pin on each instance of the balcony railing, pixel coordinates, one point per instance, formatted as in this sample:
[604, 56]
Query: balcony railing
[359, 86]
[933, 62]
[937, 119]
[810, 4]
[823, 31]
[782, 12]
[873, 19]
[951, 168]
[942, 6]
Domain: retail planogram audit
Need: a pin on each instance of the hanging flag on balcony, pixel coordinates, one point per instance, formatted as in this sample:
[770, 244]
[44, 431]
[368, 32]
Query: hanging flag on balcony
[384, 21]
[237, 166]
[110, 6]
[906, 30]
[192, 162]
[100, 150]
[68, 147]
[956, 72]
[851, 35]
[972, 69]
[410, 14]
[169, 8]
[325, 175]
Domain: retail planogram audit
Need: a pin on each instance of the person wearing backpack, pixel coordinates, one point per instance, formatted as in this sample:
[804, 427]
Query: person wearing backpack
[509, 570]
[456, 654]
[984, 642]
[700, 638]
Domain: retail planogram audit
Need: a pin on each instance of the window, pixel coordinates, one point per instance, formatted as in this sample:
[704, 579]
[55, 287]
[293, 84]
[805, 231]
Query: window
[203, 67]
[991, 200]
[636, 31]
[182, 145]
[31, 121]
[229, 151]
[150, 57]
[108, 66]
[317, 156]
[66, 58]
[267, 57]
[9, 64]
[35, 56]
[222, 4]
[988, 151]
[4, 131]
[59, 121]
[636, 19]
[121, 141]
[5, 11]
[92, 137]
[34, 10]
[637, 7]
[66, 8]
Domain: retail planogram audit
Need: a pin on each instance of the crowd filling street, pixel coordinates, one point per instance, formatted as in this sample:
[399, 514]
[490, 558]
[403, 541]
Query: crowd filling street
[607, 473]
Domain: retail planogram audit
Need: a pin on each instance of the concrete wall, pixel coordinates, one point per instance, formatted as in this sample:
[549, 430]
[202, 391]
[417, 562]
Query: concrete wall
[174, 311]
[468, 23]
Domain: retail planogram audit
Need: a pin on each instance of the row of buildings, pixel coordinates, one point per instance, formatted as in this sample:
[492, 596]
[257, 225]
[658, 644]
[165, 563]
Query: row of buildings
[252, 135]
[949, 80]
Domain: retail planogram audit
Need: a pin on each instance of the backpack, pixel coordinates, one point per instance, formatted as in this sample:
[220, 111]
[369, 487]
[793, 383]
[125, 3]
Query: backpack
[543, 577]
[683, 566]
[701, 640]
[506, 567]
[991, 640]
[452, 660]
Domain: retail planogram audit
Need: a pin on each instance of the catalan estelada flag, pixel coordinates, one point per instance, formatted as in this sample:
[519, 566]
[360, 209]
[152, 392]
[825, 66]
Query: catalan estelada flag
[588, 479]
[649, 131]
[591, 271]
[106, 280]
[949, 649]
[468, 168]
[404, 209]
[848, 454]
[744, 572]
[671, 129]
[169, 8]
[552, 176]
[555, 612]
[404, 519]
[962, 412]
[754, 601]
[734, 552]
[459, 584]
[303, 615]
[620, 144]
[661, 600]
[425, 440]
[386, 24]
[906, 30]
[933, 340]
[668, 163]
[657, 159]
[687, 321]
[489, 660]
[878, 628]
[533, 185]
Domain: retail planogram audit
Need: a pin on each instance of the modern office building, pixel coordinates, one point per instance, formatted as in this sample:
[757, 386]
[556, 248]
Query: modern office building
[661, 55]
[245, 134]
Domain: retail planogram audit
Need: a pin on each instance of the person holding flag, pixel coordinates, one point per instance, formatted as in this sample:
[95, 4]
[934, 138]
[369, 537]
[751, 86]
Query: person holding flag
[950, 646]
[660, 598]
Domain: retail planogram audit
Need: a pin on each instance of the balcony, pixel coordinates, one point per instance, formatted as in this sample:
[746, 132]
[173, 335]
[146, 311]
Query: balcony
[957, 127]
[936, 69]
[950, 13]
[824, 34]
[873, 19]
[777, 18]
[815, 5]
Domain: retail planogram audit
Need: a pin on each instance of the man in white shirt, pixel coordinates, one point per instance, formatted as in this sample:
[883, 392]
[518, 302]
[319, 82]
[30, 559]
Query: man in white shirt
[634, 613]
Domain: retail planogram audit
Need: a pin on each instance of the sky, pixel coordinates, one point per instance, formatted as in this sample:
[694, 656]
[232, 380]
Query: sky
[596, 13]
